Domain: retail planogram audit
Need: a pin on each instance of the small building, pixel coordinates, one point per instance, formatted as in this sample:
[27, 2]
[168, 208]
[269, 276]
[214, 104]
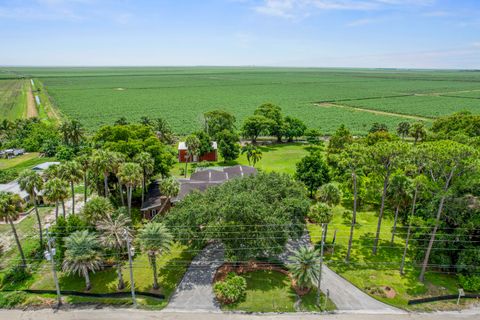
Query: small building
[199, 181]
[11, 153]
[209, 156]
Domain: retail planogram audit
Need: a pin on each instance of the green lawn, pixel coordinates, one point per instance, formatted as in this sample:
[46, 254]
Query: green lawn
[370, 272]
[27, 160]
[171, 267]
[271, 291]
[28, 226]
[278, 157]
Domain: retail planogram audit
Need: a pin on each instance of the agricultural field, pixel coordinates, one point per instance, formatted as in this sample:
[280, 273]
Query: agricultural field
[12, 98]
[98, 96]
[423, 106]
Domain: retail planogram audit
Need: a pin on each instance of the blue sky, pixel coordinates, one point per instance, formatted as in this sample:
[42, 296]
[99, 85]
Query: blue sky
[321, 33]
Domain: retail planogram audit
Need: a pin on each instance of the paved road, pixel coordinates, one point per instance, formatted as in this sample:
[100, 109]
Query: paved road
[131, 314]
[344, 294]
[194, 292]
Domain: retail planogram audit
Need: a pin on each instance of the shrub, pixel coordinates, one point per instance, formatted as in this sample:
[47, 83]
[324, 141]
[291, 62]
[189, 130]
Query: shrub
[14, 275]
[330, 194]
[470, 283]
[12, 299]
[231, 290]
[468, 260]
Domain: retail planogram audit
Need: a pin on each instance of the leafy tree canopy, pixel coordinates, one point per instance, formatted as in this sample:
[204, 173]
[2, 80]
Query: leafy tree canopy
[252, 216]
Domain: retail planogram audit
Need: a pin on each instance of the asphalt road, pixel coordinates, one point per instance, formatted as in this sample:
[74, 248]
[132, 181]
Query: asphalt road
[131, 314]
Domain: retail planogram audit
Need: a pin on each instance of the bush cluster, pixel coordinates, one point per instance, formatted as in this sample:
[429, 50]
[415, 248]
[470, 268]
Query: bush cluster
[231, 290]
[470, 283]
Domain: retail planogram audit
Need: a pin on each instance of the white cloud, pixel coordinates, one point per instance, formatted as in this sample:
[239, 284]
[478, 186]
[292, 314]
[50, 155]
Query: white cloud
[360, 22]
[294, 8]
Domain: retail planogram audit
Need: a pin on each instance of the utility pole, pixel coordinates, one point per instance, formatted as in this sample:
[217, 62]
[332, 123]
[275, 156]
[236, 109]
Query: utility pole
[50, 256]
[131, 252]
[321, 263]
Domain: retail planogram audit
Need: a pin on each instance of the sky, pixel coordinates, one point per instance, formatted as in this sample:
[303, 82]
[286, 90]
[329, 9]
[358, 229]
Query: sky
[302, 33]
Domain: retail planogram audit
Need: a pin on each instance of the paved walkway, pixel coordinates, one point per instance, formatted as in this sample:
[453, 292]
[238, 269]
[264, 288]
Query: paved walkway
[194, 292]
[344, 294]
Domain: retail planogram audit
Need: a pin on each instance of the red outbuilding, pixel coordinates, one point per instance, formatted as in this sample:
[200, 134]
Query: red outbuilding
[209, 156]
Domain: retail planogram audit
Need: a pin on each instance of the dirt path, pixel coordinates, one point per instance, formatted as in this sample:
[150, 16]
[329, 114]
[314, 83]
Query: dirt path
[384, 113]
[31, 106]
[444, 93]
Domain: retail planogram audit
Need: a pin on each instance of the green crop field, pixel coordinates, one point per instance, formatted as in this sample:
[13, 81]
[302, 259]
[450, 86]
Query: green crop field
[12, 98]
[98, 96]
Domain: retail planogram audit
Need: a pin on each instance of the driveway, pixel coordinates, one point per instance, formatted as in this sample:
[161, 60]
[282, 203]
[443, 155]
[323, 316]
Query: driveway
[345, 295]
[194, 293]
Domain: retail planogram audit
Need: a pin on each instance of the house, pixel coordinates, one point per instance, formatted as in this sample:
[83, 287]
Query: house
[199, 181]
[43, 166]
[209, 156]
[14, 187]
[155, 202]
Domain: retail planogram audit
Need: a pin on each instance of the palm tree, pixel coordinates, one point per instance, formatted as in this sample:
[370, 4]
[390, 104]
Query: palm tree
[72, 131]
[71, 171]
[399, 194]
[170, 188]
[85, 162]
[10, 207]
[418, 131]
[253, 153]
[155, 238]
[31, 182]
[193, 148]
[82, 255]
[305, 267]
[118, 160]
[103, 162]
[114, 234]
[51, 172]
[403, 129]
[96, 209]
[56, 190]
[145, 160]
[130, 174]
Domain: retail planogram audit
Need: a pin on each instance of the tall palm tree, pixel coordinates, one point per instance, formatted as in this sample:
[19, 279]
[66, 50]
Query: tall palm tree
[193, 149]
[145, 160]
[10, 207]
[103, 162]
[85, 162]
[305, 267]
[31, 182]
[56, 190]
[403, 129]
[82, 255]
[51, 172]
[155, 239]
[71, 171]
[72, 132]
[170, 188]
[113, 236]
[118, 160]
[130, 174]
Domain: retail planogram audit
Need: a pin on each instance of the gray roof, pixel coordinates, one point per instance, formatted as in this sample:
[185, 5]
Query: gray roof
[13, 187]
[153, 198]
[204, 179]
[44, 166]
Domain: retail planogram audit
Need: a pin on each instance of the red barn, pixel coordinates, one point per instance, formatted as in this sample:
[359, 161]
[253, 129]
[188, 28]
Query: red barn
[210, 156]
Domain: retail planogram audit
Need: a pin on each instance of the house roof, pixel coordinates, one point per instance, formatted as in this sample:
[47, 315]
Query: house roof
[204, 179]
[154, 198]
[44, 166]
[13, 187]
[182, 145]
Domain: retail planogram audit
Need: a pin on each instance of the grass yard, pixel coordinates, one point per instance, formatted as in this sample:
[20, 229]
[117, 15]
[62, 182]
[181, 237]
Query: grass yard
[23, 161]
[278, 157]
[171, 267]
[182, 94]
[271, 291]
[369, 272]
